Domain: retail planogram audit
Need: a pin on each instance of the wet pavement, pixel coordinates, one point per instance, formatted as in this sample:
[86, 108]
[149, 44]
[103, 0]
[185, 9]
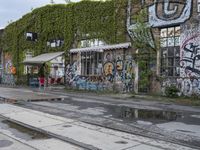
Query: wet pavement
[16, 137]
[177, 126]
[156, 120]
[21, 131]
[84, 135]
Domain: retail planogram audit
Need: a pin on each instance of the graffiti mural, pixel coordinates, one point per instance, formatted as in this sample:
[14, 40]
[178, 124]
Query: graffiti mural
[117, 73]
[109, 70]
[167, 12]
[8, 79]
[190, 61]
[108, 56]
[128, 75]
[119, 63]
[8, 63]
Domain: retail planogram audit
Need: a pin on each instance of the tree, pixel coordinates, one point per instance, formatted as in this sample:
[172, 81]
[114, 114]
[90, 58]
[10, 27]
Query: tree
[147, 45]
[142, 36]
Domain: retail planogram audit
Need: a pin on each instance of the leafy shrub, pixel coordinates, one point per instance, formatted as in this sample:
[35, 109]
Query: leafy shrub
[195, 96]
[171, 91]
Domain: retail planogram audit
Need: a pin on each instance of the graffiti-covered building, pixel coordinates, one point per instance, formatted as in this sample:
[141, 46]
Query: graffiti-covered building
[103, 67]
[97, 39]
[177, 24]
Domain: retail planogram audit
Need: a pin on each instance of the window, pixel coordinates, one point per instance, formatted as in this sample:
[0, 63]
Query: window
[170, 51]
[91, 63]
[198, 6]
[55, 43]
[30, 36]
[91, 43]
[170, 37]
[28, 55]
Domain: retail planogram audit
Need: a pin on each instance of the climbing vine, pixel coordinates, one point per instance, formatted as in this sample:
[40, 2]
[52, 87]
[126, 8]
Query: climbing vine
[147, 46]
[69, 22]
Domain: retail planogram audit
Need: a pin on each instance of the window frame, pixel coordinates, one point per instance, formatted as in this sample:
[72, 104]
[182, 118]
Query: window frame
[170, 53]
[198, 6]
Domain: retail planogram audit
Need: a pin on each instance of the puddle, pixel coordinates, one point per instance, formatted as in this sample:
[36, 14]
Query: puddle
[144, 114]
[5, 143]
[23, 132]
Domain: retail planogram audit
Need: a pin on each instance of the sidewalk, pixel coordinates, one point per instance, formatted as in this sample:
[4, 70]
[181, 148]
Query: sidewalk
[19, 94]
[82, 134]
[121, 96]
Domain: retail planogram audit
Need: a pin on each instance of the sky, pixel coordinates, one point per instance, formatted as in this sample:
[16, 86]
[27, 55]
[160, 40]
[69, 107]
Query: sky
[12, 10]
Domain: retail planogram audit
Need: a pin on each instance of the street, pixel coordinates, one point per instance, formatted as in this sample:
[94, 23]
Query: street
[89, 121]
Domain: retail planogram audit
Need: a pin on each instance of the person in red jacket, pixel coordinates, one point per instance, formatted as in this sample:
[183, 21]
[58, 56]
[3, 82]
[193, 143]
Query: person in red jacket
[41, 81]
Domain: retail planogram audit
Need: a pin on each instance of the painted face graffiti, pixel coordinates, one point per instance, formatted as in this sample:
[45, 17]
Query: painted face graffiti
[108, 56]
[119, 64]
[109, 71]
[108, 68]
[166, 12]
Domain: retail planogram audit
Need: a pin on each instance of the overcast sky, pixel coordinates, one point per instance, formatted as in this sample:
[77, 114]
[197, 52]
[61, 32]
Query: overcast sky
[15, 9]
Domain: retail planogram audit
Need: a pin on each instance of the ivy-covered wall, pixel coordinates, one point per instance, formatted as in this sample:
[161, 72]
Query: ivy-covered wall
[70, 22]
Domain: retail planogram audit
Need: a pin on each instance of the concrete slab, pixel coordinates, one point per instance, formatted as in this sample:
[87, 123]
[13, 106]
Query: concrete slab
[22, 143]
[183, 128]
[53, 144]
[25, 95]
[14, 112]
[132, 137]
[91, 137]
[7, 143]
[144, 147]
[8, 109]
[32, 119]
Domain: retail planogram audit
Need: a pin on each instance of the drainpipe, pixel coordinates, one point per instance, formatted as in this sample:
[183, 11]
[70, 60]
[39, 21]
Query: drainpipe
[17, 58]
[136, 76]
[65, 69]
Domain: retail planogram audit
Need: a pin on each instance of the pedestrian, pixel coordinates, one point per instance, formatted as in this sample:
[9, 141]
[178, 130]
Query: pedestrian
[41, 83]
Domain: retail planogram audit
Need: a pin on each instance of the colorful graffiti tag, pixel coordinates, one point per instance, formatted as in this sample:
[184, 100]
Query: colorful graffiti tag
[167, 12]
[190, 61]
[8, 79]
[128, 75]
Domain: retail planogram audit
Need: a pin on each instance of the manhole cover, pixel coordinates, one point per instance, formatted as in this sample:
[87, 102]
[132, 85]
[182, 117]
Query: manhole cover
[5, 143]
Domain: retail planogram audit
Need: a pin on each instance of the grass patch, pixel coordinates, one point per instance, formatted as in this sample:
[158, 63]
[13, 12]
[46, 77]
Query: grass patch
[188, 101]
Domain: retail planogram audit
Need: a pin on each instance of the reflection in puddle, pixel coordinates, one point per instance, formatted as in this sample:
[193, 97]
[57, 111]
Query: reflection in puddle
[133, 113]
[24, 132]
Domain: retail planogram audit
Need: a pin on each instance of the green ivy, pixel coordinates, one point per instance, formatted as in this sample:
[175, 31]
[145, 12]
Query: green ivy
[71, 22]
